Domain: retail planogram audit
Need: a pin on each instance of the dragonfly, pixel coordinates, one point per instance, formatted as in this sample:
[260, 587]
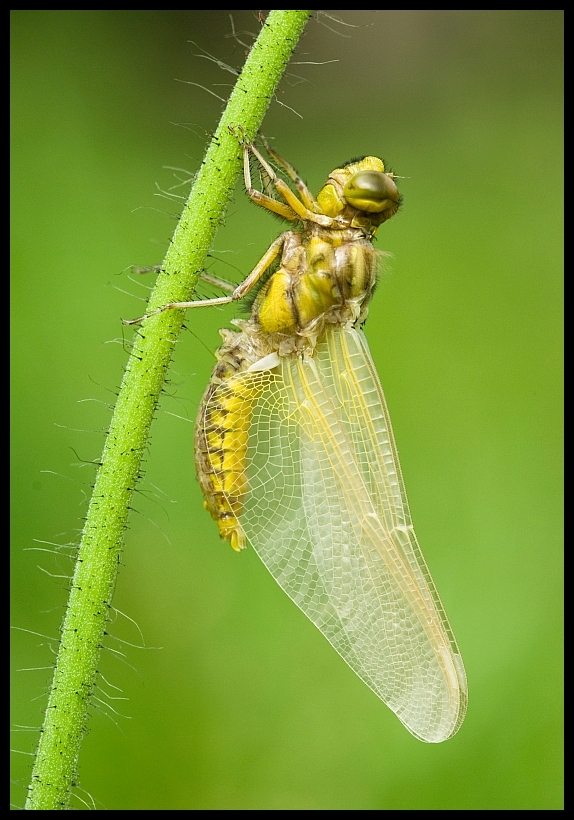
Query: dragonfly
[295, 452]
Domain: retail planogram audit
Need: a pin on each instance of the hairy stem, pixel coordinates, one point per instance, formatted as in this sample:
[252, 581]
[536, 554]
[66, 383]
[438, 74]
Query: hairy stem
[96, 569]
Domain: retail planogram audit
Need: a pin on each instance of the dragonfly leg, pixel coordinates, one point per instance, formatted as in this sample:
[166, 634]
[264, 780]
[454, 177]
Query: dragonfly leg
[215, 280]
[296, 207]
[238, 293]
[262, 199]
[307, 197]
[263, 265]
[204, 275]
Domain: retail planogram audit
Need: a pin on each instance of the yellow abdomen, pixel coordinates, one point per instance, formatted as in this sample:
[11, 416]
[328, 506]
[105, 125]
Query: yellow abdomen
[221, 451]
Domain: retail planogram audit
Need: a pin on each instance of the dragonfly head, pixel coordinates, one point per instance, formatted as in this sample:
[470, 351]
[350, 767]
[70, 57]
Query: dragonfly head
[364, 185]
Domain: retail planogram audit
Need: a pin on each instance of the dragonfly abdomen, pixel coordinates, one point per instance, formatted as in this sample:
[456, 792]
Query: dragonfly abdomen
[221, 437]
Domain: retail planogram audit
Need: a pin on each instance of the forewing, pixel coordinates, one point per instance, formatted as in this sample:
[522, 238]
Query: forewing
[327, 513]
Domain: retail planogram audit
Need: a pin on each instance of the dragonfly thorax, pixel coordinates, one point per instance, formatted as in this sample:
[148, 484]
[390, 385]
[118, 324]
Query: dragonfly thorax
[325, 278]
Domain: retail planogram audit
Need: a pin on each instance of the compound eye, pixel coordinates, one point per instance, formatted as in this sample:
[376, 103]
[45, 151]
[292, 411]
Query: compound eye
[371, 191]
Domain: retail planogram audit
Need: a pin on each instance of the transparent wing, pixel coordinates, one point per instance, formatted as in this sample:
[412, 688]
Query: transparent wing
[327, 513]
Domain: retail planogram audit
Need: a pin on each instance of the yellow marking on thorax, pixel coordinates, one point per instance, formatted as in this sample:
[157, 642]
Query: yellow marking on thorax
[275, 310]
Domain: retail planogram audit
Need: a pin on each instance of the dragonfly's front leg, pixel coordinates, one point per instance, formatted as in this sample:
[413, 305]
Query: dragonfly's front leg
[306, 196]
[264, 200]
[295, 209]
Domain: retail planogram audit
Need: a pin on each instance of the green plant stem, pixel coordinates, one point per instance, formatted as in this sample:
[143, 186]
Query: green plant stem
[97, 563]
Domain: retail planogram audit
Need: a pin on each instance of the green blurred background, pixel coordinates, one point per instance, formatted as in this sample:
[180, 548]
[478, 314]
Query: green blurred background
[238, 702]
